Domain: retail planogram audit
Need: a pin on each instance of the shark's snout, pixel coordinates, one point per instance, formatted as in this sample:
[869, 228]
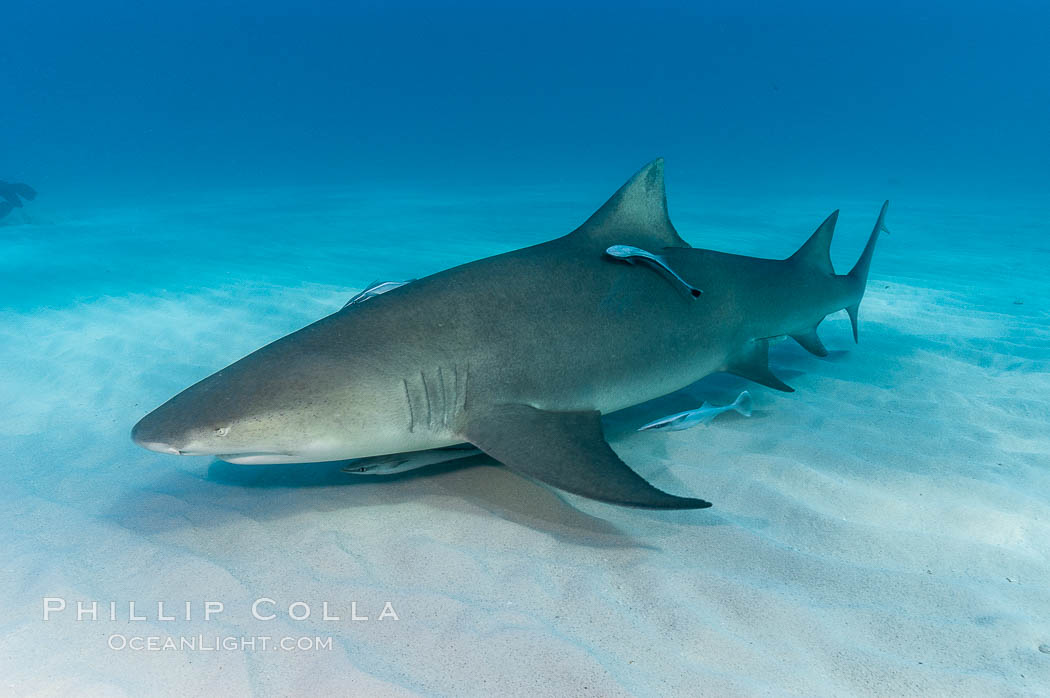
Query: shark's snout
[148, 434]
[177, 431]
[169, 429]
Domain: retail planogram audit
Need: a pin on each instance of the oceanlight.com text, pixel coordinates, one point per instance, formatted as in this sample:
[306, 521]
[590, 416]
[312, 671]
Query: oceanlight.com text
[217, 643]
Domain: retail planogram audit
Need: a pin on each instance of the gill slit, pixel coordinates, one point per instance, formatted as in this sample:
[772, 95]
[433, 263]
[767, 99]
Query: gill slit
[444, 397]
[426, 395]
[411, 412]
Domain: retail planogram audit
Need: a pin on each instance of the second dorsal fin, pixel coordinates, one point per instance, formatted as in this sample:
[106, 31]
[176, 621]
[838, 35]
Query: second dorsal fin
[635, 215]
[816, 251]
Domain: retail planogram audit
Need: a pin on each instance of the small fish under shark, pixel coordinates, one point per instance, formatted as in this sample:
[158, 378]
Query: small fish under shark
[701, 415]
[395, 463]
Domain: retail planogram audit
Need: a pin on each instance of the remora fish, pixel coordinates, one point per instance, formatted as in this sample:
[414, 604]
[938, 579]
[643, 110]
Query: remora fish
[395, 463]
[376, 288]
[633, 255]
[701, 415]
[519, 354]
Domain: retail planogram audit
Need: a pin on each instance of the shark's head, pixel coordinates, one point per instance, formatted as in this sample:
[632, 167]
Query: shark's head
[238, 418]
[286, 403]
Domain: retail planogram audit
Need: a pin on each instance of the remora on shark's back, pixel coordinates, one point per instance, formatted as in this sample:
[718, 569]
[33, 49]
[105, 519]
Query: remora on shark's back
[519, 354]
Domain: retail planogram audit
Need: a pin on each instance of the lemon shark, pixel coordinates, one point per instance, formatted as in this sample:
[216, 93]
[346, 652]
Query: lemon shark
[521, 353]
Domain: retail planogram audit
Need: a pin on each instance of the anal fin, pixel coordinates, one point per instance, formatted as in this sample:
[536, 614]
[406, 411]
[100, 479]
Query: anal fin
[566, 450]
[753, 363]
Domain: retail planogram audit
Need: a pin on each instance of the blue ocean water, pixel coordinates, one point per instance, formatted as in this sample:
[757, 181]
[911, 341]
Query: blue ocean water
[212, 176]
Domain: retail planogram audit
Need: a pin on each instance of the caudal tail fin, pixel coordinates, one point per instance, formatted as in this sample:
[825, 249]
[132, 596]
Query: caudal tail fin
[742, 404]
[858, 276]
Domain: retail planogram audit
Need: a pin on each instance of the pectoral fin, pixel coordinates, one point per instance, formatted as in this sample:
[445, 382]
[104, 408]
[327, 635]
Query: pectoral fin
[566, 450]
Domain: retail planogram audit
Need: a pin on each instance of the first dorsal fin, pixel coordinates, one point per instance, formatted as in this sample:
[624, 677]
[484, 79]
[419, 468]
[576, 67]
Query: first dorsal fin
[635, 215]
[816, 251]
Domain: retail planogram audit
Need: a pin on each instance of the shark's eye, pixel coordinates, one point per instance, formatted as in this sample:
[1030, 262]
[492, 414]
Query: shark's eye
[222, 431]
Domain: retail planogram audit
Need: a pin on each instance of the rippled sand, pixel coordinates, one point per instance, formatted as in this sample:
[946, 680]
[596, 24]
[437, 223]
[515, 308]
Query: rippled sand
[885, 530]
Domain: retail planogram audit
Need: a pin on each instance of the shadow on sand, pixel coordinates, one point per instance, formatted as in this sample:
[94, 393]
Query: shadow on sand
[228, 493]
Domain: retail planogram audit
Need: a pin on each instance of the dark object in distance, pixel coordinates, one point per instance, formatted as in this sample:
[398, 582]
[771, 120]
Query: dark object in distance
[12, 194]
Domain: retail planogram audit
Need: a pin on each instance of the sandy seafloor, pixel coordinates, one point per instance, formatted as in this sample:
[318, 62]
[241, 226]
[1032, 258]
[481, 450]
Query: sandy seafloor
[885, 530]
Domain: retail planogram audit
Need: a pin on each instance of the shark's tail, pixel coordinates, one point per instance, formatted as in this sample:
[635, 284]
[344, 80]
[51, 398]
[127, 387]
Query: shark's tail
[857, 279]
[826, 291]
